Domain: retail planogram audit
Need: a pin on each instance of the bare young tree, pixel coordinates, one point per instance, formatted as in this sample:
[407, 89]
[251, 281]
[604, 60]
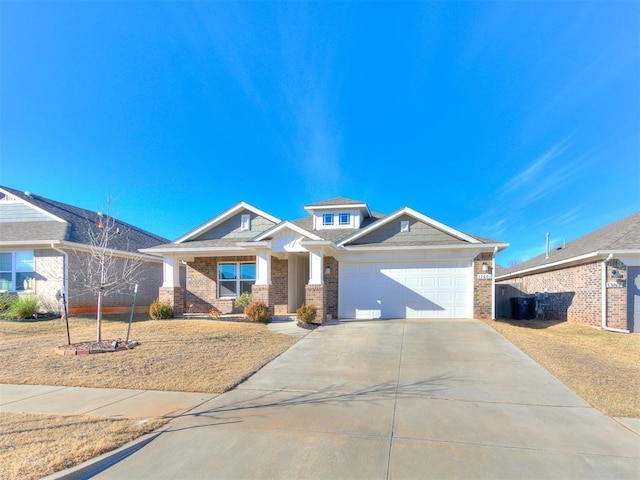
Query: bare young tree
[103, 271]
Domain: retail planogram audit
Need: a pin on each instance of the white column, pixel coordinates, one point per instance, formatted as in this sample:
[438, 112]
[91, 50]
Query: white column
[263, 268]
[170, 272]
[315, 269]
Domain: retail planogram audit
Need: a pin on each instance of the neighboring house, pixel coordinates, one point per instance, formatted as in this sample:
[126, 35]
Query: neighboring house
[43, 244]
[342, 258]
[593, 280]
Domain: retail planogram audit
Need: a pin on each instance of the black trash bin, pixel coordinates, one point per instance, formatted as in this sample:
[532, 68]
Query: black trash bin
[522, 308]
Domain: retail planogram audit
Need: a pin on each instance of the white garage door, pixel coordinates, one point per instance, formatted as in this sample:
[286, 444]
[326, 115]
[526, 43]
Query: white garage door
[406, 290]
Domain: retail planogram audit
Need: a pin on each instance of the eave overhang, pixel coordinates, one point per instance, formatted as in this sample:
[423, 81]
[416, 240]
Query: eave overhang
[631, 256]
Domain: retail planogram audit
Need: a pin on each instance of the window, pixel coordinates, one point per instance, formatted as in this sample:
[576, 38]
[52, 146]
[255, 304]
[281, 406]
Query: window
[245, 222]
[16, 271]
[404, 225]
[327, 219]
[344, 218]
[235, 278]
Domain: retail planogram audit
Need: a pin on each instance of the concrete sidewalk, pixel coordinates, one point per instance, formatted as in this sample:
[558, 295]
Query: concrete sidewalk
[110, 402]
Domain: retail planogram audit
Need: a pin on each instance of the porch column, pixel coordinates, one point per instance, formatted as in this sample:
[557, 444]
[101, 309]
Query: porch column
[263, 268]
[170, 272]
[315, 292]
[171, 292]
[315, 269]
[260, 290]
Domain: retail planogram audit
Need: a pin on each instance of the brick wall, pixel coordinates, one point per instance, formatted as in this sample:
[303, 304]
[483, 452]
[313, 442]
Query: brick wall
[279, 293]
[331, 287]
[174, 296]
[202, 285]
[575, 294]
[82, 301]
[316, 295]
[616, 296]
[482, 287]
[49, 268]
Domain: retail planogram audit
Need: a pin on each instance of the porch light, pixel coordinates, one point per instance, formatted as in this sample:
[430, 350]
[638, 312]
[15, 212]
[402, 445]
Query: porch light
[485, 267]
[327, 271]
[616, 274]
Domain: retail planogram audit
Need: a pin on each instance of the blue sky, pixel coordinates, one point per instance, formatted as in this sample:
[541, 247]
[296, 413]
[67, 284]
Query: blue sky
[502, 119]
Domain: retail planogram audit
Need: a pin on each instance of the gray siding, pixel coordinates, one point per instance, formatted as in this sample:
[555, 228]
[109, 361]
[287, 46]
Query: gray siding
[230, 229]
[19, 212]
[419, 232]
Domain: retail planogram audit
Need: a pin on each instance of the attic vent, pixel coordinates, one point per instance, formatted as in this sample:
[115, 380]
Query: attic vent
[245, 222]
[404, 225]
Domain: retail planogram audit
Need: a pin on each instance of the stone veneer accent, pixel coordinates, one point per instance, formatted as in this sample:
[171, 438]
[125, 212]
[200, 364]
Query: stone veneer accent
[575, 294]
[482, 287]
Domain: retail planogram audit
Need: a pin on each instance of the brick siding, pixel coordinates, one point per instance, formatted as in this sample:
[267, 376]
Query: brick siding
[574, 294]
[482, 287]
[202, 285]
[331, 287]
[279, 290]
[316, 295]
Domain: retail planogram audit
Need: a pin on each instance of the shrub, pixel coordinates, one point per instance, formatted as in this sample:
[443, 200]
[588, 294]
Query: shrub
[6, 304]
[25, 306]
[307, 313]
[258, 312]
[243, 300]
[160, 310]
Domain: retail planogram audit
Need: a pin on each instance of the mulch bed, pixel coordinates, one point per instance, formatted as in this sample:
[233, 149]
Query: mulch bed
[87, 348]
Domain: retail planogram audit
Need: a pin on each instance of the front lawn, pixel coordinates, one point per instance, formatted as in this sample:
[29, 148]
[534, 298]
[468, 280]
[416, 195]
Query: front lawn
[177, 355]
[602, 367]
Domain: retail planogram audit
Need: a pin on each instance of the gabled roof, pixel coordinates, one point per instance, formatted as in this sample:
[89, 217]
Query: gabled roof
[622, 236]
[71, 224]
[418, 216]
[335, 201]
[339, 202]
[221, 217]
[335, 234]
[286, 225]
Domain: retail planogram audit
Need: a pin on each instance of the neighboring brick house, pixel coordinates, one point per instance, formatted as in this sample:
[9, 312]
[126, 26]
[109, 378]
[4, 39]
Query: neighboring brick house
[342, 258]
[43, 244]
[593, 280]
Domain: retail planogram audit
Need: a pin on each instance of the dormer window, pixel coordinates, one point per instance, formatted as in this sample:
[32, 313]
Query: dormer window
[404, 225]
[245, 222]
[344, 218]
[327, 219]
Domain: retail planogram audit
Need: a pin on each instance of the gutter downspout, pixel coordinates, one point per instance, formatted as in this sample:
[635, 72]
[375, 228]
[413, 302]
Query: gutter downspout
[604, 298]
[65, 268]
[493, 285]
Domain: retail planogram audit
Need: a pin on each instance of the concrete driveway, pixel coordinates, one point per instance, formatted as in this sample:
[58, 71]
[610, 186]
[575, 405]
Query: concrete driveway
[396, 399]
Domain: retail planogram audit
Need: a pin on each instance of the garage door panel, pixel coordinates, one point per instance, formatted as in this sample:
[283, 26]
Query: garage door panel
[405, 290]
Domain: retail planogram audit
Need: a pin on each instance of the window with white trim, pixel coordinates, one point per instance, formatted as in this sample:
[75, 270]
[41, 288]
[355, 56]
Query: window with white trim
[404, 225]
[327, 219]
[245, 222]
[235, 278]
[344, 218]
[17, 271]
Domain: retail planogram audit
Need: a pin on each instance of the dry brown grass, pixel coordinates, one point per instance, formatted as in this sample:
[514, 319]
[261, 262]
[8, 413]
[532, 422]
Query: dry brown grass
[32, 446]
[602, 367]
[176, 355]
